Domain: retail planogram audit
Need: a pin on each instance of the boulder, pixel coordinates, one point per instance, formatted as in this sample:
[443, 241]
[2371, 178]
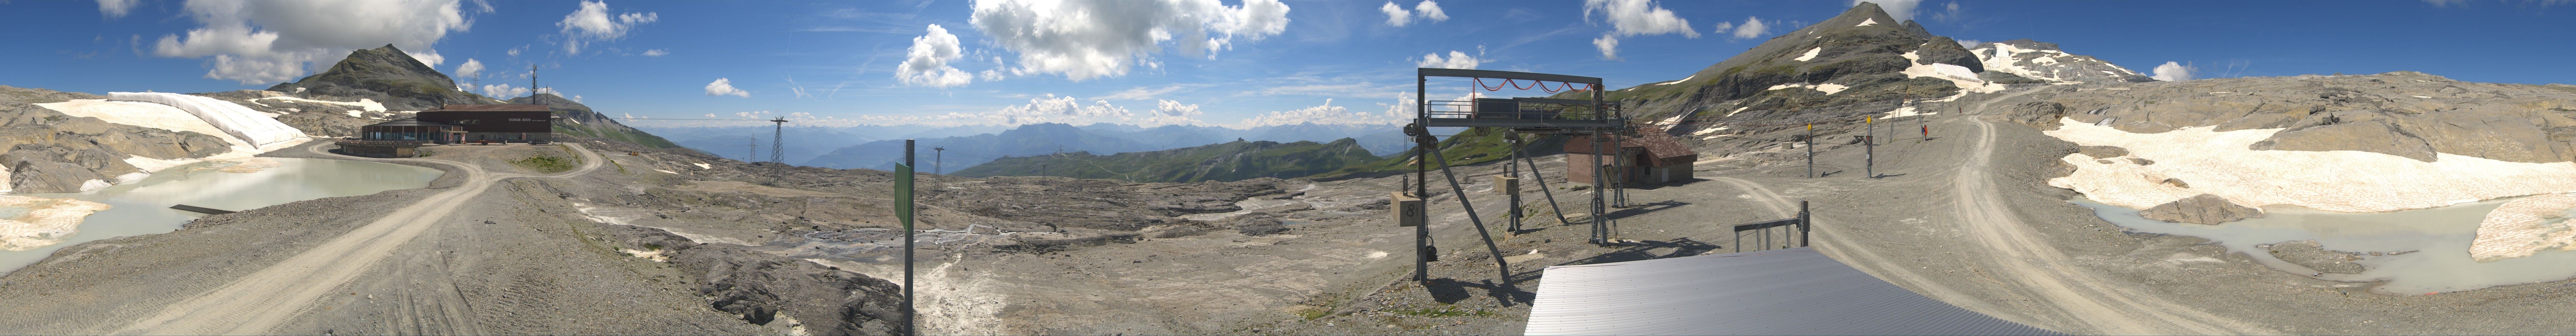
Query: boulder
[2203, 209]
[2103, 152]
[2042, 115]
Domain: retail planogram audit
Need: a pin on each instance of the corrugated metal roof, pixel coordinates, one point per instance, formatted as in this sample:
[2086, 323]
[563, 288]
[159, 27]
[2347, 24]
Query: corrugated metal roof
[1779, 292]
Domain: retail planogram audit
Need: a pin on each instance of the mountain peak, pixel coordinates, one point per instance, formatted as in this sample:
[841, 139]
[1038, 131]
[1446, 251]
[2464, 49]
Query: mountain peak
[388, 75]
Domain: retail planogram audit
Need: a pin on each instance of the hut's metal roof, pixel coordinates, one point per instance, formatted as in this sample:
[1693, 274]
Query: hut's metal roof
[1779, 292]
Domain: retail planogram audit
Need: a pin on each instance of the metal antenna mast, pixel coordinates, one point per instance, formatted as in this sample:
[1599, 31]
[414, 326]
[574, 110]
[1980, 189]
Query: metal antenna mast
[532, 86]
[749, 146]
[937, 153]
[778, 140]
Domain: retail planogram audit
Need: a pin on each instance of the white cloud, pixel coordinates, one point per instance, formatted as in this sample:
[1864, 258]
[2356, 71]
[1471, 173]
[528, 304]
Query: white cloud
[1752, 28]
[927, 62]
[1638, 17]
[1609, 46]
[1098, 38]
[1427, 10]
[593, 23]
[514, 51]
[1139, 93]
[1430, 10]
[1969, 43]
[503, 91]
[1059, 109]
[1949, 12]
[1395, 15]
[1320, 114]
[1633, 17]
[2174, 72]
[471, 68]
[1456, 60]
[576, 98]
[1167, 112]
[988, 75]
[724, 87]
[656, 52]
[1901, 10]
[116, 8]
[273, 41]
[1722, 27]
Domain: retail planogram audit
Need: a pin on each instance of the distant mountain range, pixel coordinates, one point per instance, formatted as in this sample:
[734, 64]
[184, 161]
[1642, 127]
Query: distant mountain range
[859, 147]
[1231, 161]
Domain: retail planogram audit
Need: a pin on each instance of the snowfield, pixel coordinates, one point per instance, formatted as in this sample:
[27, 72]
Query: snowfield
[2218, 163]
[1811, 54]
[257, 129]
[2525, 226]
[41, 221]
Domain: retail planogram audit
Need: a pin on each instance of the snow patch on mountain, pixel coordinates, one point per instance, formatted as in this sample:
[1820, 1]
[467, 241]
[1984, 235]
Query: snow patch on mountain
[2042, 61]
[252, 127]
[1811, 54]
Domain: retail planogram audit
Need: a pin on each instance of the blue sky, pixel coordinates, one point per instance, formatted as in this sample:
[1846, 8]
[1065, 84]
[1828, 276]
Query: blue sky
[844, 62]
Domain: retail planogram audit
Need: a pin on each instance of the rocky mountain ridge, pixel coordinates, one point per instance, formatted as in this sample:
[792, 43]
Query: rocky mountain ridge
[384, 74]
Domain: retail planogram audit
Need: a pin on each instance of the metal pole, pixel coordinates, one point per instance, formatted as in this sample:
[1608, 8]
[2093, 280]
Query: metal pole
[1512, 168]
[1869, 148]
[1541, 177]
[1805, 226]
[1598, 196]
[904, 185]
[1422, 250]
[1811, 150]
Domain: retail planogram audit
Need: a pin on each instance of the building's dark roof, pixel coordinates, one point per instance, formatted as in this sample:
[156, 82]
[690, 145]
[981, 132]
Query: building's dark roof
[1778, 292]
[492, 108]
[410, 122]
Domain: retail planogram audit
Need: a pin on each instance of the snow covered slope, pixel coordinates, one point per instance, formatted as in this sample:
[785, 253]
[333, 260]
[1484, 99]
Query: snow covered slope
[257, 129]
[2042, 61]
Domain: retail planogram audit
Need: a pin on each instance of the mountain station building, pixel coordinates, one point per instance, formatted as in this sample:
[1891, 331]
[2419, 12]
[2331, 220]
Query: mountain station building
[453, 124]
[1646, 158]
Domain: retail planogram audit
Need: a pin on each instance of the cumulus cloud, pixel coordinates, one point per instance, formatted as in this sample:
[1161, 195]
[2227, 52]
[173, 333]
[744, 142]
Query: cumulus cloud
[1060, 109]
[471, 68]
[1633, 17]
[503, 91]
[273, 41]
[927, 61]
[724, 87]
[1456, 60]
[1949, 12]
[1901, 10]
[1609, 46]
[1096, 38]
[1751, 28]
[1168, 112]
[2174, 72]
[1395, 15]
[116, 8]
[656, 52]
[1427, 10]
[1638, 17]
[593, 23]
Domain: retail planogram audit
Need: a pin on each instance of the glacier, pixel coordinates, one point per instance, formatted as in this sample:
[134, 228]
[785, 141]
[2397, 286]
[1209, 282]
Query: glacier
[252, 127]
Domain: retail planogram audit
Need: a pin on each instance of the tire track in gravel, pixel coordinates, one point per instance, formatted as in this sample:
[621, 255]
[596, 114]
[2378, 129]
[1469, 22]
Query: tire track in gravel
[261, 301]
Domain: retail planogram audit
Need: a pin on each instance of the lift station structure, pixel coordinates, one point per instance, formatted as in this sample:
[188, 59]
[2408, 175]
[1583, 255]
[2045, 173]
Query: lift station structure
[1591, 117]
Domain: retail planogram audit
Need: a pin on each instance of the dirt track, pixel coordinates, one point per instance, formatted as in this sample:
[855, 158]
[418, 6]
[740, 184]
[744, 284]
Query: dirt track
[257, 303]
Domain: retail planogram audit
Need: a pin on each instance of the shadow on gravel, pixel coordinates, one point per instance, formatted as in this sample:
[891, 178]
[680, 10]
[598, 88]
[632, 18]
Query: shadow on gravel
[1668, 184]
[1447, 290]
[1645, 250]
[1643, 208]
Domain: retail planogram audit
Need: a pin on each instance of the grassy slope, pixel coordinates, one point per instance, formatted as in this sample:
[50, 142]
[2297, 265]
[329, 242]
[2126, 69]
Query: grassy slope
[1231, 161]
